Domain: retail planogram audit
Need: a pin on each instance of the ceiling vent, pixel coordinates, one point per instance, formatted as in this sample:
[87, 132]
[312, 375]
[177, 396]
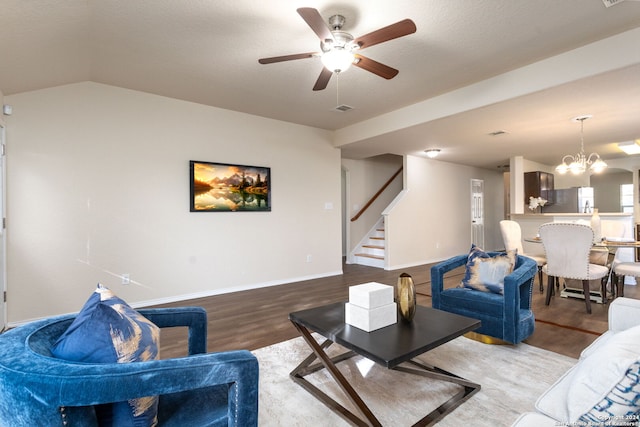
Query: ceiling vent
[498, 132]
[609, 3]
[343, 108]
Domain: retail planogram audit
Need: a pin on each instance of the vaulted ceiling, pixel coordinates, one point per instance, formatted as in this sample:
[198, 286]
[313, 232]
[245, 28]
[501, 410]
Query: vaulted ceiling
[472, 68]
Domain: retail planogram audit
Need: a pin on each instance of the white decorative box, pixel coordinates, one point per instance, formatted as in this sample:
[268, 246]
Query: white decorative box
[370, 319]
[371, 295]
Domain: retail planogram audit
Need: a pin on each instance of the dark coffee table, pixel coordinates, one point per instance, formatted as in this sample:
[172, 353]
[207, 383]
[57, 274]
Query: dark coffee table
[392, 346]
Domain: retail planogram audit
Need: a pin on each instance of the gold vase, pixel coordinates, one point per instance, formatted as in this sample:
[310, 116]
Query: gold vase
[406, 297]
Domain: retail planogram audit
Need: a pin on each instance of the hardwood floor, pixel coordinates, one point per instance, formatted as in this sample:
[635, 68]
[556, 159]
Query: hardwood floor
[258, 318]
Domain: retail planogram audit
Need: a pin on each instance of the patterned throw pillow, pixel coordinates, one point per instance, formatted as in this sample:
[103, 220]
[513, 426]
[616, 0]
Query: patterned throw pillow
[486, 273]
[108, 330]
[621, 406]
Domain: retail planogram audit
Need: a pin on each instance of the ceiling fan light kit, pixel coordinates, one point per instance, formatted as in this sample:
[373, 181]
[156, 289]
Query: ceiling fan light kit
[338, 47]
[578, 164]
[338, 59]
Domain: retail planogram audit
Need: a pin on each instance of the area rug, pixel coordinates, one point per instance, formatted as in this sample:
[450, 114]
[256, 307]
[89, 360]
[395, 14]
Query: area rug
[512, 378]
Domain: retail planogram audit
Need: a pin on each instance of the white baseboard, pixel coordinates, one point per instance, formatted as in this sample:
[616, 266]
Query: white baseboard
[187, 297]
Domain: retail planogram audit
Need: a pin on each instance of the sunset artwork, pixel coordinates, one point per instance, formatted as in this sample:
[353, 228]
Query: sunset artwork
[221, 187]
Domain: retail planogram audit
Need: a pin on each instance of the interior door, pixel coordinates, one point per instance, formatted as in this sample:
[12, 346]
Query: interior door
[3, 237]
[477, 212]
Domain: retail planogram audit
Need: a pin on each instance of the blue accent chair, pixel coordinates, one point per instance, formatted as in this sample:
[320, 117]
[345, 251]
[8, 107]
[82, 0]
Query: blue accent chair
[202, 389]
[507, 317]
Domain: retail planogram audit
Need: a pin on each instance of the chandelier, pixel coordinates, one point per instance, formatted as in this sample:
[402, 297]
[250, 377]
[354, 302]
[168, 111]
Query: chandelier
[577, 164]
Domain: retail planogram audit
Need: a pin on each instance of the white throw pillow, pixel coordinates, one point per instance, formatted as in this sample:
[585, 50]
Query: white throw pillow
[599, 373]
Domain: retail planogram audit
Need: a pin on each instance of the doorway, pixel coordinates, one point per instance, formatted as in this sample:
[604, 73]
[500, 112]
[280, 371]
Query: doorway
[477, 212]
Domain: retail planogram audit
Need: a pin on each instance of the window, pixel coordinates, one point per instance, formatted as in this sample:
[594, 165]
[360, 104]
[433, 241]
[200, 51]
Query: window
[626, 197]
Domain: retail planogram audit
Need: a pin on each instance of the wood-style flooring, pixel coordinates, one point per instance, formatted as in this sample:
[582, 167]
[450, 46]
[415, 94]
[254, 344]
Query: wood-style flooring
[257, 318]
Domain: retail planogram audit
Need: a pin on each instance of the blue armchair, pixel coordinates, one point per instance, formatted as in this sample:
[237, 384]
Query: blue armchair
[507, 317]
[202, 389]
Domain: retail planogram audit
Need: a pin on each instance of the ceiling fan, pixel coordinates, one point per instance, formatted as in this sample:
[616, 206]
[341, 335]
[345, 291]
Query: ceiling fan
[338, 48]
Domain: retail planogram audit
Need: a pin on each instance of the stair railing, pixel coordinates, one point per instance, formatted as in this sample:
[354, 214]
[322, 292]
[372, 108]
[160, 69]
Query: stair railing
[375, 196]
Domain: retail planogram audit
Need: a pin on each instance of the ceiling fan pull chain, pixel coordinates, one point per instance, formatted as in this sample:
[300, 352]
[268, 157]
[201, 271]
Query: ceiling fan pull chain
[337, 89]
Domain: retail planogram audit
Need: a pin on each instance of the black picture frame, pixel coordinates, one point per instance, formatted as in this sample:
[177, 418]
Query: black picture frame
[226, 187]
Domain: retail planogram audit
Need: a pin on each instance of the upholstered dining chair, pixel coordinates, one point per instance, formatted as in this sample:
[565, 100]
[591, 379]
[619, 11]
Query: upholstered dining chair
[620, 271]
[567, 247]
[202, 389]
[512, 238]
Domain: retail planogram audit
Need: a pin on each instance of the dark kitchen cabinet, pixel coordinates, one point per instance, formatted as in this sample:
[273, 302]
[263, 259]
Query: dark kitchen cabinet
[538, 184]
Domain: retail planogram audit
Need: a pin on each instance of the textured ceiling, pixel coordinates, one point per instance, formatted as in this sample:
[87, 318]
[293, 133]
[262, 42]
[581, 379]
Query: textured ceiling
[206, 51]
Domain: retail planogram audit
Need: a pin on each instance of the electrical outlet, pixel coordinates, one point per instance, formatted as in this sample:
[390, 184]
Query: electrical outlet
[308, 258]
[125, 279]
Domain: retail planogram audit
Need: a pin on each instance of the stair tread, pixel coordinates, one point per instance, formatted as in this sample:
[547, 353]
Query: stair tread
[371, 256]
[373, 246]
[376, 238]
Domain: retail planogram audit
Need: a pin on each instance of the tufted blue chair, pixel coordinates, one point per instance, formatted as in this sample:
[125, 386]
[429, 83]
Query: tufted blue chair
[202, 389]
[507, 317]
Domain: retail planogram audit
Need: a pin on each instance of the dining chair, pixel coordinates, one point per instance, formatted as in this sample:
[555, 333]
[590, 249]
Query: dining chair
[623, 255]
[567, 247]
[620, 271]
[512, 237]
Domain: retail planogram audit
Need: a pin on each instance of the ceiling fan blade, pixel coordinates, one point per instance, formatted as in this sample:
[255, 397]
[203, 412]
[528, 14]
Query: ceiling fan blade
[323, 79]
[393, 31]
[375, 67]
[287, 57]
[313, 19]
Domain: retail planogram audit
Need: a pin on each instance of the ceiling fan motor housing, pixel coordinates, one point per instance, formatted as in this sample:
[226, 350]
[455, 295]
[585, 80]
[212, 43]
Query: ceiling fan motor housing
[341, 39]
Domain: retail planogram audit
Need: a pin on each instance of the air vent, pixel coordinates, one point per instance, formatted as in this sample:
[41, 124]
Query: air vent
[498, 132]
[343, 108]
[609, 3]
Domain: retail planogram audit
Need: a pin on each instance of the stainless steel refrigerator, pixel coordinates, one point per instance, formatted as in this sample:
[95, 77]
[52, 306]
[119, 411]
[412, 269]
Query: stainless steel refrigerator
[572, 200]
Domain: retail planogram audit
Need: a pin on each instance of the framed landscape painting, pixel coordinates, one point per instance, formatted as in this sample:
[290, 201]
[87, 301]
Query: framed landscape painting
[222, 187]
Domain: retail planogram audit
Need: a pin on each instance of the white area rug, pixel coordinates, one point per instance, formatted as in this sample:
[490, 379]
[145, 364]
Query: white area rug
[512, 378]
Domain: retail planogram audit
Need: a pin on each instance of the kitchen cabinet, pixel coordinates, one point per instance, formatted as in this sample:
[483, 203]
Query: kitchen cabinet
[539, 184]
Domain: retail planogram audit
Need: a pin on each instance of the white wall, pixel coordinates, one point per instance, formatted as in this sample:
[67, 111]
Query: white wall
[432, 221]
[98, 186]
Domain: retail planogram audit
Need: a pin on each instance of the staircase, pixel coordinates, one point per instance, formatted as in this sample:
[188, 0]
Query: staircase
[371, 250]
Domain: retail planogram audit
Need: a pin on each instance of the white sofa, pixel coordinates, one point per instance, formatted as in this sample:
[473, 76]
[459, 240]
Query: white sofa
[602, 388]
